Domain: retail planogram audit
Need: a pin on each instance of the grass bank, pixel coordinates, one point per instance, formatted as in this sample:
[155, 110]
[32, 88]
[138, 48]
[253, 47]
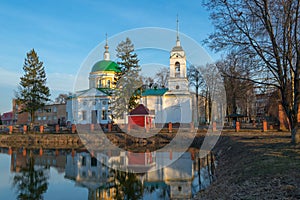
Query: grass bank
[255, 165]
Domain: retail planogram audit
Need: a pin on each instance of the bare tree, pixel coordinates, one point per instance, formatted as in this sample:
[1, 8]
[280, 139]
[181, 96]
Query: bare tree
[161, 77]
[214, 93]
[196, 80]
[239, 90]
[62, 98]
[268, 32]
[148, 82]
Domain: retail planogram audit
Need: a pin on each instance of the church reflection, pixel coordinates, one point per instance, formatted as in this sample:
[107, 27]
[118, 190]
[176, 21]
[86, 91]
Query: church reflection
[184, 177]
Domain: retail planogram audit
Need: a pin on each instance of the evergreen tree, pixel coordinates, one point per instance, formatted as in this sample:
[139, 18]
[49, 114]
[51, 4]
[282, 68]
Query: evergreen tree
[31, 183]
[128, 186]
[128, 82]
[33, 92]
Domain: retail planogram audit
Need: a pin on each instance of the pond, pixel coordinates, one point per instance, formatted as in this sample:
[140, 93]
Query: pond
[78, 174]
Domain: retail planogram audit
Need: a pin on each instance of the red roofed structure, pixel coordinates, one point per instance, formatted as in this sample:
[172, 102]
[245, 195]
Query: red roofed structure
[140, 117]
[7, 118]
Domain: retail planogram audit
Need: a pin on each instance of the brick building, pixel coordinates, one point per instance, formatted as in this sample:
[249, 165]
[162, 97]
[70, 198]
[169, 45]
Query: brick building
[51, 114]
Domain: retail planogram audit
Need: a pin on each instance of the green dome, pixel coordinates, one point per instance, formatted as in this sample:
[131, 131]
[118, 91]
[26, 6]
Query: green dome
[106, 65]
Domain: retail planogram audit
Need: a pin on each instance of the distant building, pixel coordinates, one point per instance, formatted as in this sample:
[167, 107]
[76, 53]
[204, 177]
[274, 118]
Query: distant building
[266, 105]
[50, 114]
[20, 118]
[7, 118]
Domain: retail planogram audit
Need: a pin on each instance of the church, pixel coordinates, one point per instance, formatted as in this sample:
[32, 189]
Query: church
[172, 104]
[92, 106]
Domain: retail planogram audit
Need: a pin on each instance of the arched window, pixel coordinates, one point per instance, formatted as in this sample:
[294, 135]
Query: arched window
[99, 83]
[108, 83]
[177, 69]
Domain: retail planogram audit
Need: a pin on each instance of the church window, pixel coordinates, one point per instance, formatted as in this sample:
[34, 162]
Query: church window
[94, 162]
[179, 188]
[99, 83]
[104, 114]
[177, 69]
[83, 161]
[83, 115]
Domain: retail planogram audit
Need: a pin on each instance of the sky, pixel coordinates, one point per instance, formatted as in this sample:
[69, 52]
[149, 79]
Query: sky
[64, 33]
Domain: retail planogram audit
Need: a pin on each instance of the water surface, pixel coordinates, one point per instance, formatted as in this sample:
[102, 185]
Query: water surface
[79, 174]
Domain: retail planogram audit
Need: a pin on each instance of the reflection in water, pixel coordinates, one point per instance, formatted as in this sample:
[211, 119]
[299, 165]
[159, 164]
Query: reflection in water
[127, 186]
[31, 181]
[187, 175]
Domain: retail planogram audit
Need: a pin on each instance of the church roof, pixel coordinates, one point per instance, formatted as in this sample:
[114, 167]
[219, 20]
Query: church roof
[107, 91]
[140, 110]
[177, 48]
[92, 92]
[155, 92]
[106, 65]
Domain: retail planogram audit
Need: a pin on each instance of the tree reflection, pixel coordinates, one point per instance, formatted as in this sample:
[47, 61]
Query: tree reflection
[31, 183]
[128, 186]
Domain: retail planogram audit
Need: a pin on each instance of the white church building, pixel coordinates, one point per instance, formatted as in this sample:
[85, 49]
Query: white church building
[172, 104]
[91, 106]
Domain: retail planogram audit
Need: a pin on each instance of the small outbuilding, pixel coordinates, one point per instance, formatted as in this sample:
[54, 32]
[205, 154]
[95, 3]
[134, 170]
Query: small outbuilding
[140, 117]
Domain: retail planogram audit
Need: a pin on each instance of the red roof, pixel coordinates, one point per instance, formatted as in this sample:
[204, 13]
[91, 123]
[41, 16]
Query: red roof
[136, 158]
[7, 116]
[140, 110]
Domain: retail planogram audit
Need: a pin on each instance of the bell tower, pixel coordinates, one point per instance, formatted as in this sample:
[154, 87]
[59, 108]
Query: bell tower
[178, 78]
[177, 101]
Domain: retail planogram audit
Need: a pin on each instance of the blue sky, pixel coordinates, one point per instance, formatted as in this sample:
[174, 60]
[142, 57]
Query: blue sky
[64, 32]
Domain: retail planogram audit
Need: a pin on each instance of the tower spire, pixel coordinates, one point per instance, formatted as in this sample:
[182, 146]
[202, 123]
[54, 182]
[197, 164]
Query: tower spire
[106, 47]
[177, 30]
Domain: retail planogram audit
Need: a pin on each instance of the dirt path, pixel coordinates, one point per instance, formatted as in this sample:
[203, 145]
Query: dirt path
[255, 165]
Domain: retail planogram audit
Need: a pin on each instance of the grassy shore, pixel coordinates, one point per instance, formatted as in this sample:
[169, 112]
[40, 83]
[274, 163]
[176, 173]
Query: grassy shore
[255, 165]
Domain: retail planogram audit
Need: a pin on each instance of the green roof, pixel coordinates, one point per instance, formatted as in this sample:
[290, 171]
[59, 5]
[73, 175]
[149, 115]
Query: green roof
[106, 65]
[107, 91]
[155, 92]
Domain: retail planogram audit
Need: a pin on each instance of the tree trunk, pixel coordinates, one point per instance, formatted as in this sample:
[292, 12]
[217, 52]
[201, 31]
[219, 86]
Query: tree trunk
[197, 100]
[209, 107]
[32, 120]
[295, 135]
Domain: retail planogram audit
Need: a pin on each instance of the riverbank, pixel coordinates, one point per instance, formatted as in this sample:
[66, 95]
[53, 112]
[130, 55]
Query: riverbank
[255, 165]
[94, 140]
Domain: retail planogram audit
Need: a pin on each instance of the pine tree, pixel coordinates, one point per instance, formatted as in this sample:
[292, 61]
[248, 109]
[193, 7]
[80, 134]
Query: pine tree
[32, 92]
[128, 82]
